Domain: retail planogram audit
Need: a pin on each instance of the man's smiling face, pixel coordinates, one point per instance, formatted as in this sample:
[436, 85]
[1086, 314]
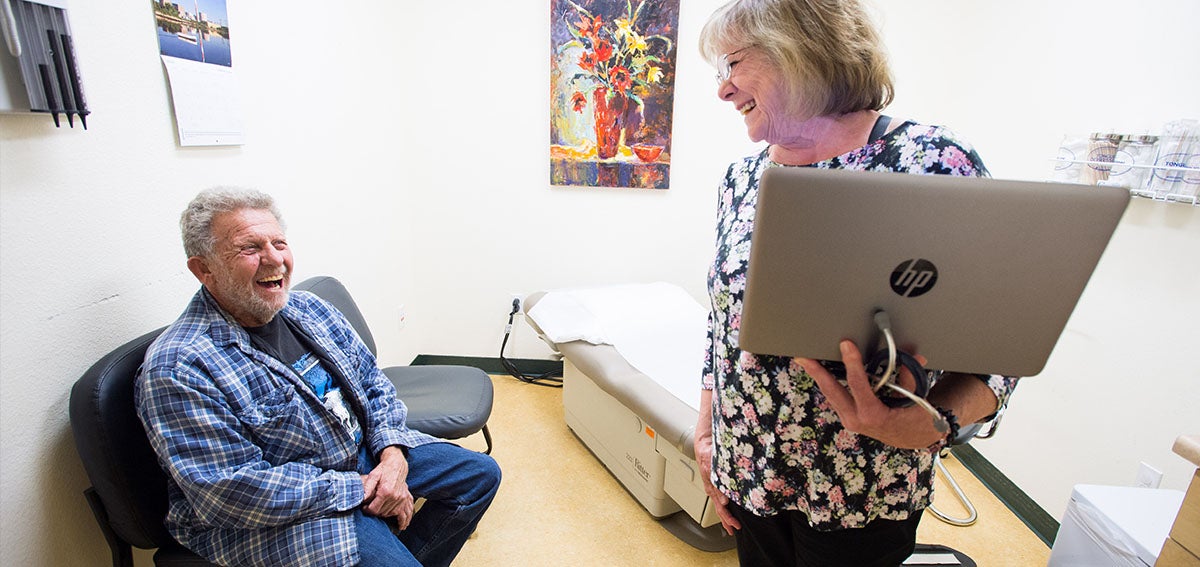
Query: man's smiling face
[250, 266]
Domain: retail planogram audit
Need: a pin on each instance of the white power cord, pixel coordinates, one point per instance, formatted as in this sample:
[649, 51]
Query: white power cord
[884, 323]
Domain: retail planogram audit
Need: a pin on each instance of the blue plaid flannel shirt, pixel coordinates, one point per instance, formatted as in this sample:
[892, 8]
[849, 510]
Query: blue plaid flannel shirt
[259, 471]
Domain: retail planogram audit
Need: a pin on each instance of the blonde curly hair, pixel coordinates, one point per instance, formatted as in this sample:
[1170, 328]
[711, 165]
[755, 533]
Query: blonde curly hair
[829, 54]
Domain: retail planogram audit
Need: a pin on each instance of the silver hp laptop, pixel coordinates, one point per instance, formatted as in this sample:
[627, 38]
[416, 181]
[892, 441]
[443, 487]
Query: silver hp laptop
[978, 275]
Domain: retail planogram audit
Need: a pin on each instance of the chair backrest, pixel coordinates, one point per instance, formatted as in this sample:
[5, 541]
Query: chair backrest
[115, 451]
[332, 290]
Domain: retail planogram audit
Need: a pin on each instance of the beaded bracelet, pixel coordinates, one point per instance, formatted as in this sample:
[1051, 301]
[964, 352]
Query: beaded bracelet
[952, 421]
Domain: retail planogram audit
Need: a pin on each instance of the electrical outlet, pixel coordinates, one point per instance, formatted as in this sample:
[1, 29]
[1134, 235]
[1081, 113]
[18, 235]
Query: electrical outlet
[1148, 476]
[518, 300]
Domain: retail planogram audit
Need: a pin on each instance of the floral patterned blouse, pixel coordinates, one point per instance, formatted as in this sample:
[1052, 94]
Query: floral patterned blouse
[778, 445]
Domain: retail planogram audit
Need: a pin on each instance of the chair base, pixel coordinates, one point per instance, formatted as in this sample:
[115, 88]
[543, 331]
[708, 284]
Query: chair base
[712, 539]
[122, 553]
[179, 556]
[170, 555]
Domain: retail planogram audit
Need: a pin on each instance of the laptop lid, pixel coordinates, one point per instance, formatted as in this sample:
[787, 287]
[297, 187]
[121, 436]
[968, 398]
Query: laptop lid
[978, 275]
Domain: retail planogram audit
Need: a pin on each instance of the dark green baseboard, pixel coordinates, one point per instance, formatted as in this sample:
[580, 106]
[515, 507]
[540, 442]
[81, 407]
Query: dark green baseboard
[529, 366]
[1022, 506]
[1041, 523]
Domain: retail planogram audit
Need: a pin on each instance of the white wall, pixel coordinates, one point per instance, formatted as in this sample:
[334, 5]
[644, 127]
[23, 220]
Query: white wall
[90, 255]
[490, 224]
[435, 195]
[1013, 77]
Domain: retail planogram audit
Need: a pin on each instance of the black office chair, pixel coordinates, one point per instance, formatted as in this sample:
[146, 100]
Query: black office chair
[128, 495]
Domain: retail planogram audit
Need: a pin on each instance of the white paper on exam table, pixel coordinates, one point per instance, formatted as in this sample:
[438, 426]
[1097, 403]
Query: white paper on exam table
[658, 328]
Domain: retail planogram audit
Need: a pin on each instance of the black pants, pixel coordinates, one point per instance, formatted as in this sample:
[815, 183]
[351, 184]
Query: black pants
[786, 539]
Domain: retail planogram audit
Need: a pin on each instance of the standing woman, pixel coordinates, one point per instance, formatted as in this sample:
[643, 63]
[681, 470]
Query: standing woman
[806, 470]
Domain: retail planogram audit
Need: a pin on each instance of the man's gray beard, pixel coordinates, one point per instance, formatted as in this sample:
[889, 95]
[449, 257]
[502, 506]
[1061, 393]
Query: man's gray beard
[245, 300]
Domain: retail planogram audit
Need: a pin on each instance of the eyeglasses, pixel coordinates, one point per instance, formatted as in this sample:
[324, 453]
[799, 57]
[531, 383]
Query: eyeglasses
[725, 68]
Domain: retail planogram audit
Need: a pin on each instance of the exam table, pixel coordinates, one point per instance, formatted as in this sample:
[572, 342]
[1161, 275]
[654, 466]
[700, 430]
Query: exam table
[632, 359]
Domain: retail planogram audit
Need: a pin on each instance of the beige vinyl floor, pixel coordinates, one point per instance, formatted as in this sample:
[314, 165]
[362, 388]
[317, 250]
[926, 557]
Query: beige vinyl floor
[558, 505]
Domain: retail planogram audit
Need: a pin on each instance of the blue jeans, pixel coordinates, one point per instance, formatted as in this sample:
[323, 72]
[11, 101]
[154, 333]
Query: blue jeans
[458, 486]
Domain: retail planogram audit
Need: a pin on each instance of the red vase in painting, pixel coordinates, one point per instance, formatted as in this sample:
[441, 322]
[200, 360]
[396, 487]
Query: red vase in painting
[609, 112]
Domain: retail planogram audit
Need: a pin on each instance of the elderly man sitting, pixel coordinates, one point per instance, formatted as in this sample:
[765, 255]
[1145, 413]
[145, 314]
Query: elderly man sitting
[283, 442]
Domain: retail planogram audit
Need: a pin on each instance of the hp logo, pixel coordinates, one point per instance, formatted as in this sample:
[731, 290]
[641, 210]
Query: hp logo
[914, 277]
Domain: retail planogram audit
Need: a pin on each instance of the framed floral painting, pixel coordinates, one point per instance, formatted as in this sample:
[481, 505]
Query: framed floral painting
[612, 92]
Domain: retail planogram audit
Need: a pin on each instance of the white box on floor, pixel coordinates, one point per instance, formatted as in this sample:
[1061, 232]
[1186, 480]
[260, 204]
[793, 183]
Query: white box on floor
[1114, 525]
